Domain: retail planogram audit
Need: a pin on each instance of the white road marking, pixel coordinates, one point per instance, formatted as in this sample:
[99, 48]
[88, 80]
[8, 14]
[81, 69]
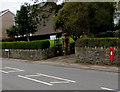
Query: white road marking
[35, 80]
[107, 88]
[31, 75]
[56, 77]
[3, 71]
[14, 69]
[60, 82]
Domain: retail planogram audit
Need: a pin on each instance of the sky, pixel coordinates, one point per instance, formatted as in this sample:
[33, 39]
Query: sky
[14, 5]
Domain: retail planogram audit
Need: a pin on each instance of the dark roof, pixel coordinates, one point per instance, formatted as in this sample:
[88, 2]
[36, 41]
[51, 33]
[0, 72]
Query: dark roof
[5, 11]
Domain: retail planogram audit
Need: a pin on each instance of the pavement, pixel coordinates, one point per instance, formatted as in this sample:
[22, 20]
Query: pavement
[69, 61]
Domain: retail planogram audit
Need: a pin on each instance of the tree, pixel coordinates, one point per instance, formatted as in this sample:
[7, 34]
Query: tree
[25, 21]
[84, 17]
[29, 17]
[41, 13]
[12, 32]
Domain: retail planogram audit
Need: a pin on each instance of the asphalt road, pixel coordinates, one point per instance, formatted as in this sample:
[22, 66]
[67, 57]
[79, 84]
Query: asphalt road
[31, 76]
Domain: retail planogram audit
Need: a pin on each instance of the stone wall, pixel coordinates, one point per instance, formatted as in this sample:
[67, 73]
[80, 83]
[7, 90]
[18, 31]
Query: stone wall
[96, 55]
[29, 54]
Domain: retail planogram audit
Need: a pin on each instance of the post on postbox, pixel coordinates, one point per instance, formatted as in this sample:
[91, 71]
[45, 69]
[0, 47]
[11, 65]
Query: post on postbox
[111, 56]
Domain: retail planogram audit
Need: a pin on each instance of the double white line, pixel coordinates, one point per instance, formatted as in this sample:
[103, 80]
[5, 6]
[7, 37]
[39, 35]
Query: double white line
[35, 80]
[62, 80]
[3, 71]
[13, 70]
[56, 77]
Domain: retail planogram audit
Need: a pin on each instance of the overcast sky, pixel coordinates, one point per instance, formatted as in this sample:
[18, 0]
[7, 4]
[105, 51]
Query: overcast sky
[13, 5]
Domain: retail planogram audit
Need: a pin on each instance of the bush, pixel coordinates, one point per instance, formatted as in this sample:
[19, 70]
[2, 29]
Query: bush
[40, 44]
[97, 42]
[117, 33]
[60, 42]
[105, 34]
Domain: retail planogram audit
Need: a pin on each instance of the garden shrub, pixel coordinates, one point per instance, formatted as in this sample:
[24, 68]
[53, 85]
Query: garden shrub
[106, 34]
[40, 44]
[97, 42]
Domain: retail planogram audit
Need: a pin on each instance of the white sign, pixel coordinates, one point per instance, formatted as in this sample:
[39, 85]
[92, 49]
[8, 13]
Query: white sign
[53, 37]
[6, 49]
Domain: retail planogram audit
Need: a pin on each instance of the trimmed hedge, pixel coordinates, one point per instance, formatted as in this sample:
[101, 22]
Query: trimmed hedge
[40, 44]
[105, 34]
[98, 42]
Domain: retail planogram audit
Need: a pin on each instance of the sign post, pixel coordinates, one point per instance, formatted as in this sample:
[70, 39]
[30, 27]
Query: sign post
[53, 37]
[7, 52]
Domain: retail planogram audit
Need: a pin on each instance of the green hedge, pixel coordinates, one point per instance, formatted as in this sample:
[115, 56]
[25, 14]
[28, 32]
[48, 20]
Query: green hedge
[40, 44]
[98, 42]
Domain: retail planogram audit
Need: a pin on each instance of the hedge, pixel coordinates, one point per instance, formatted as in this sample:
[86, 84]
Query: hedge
[40, 44]
[105, 34]
[98, 42]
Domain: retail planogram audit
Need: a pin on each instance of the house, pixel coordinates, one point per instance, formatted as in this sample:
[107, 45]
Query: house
[6, 21]
[45, 19]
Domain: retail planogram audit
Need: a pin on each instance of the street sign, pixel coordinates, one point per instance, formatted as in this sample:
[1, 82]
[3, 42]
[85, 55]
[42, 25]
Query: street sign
[53, 37]
[6, 49]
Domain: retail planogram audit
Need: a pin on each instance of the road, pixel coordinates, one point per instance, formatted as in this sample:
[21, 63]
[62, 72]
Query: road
[18, 75]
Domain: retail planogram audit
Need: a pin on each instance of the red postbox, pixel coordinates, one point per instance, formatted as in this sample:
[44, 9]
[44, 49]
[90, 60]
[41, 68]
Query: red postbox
[111, 54]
